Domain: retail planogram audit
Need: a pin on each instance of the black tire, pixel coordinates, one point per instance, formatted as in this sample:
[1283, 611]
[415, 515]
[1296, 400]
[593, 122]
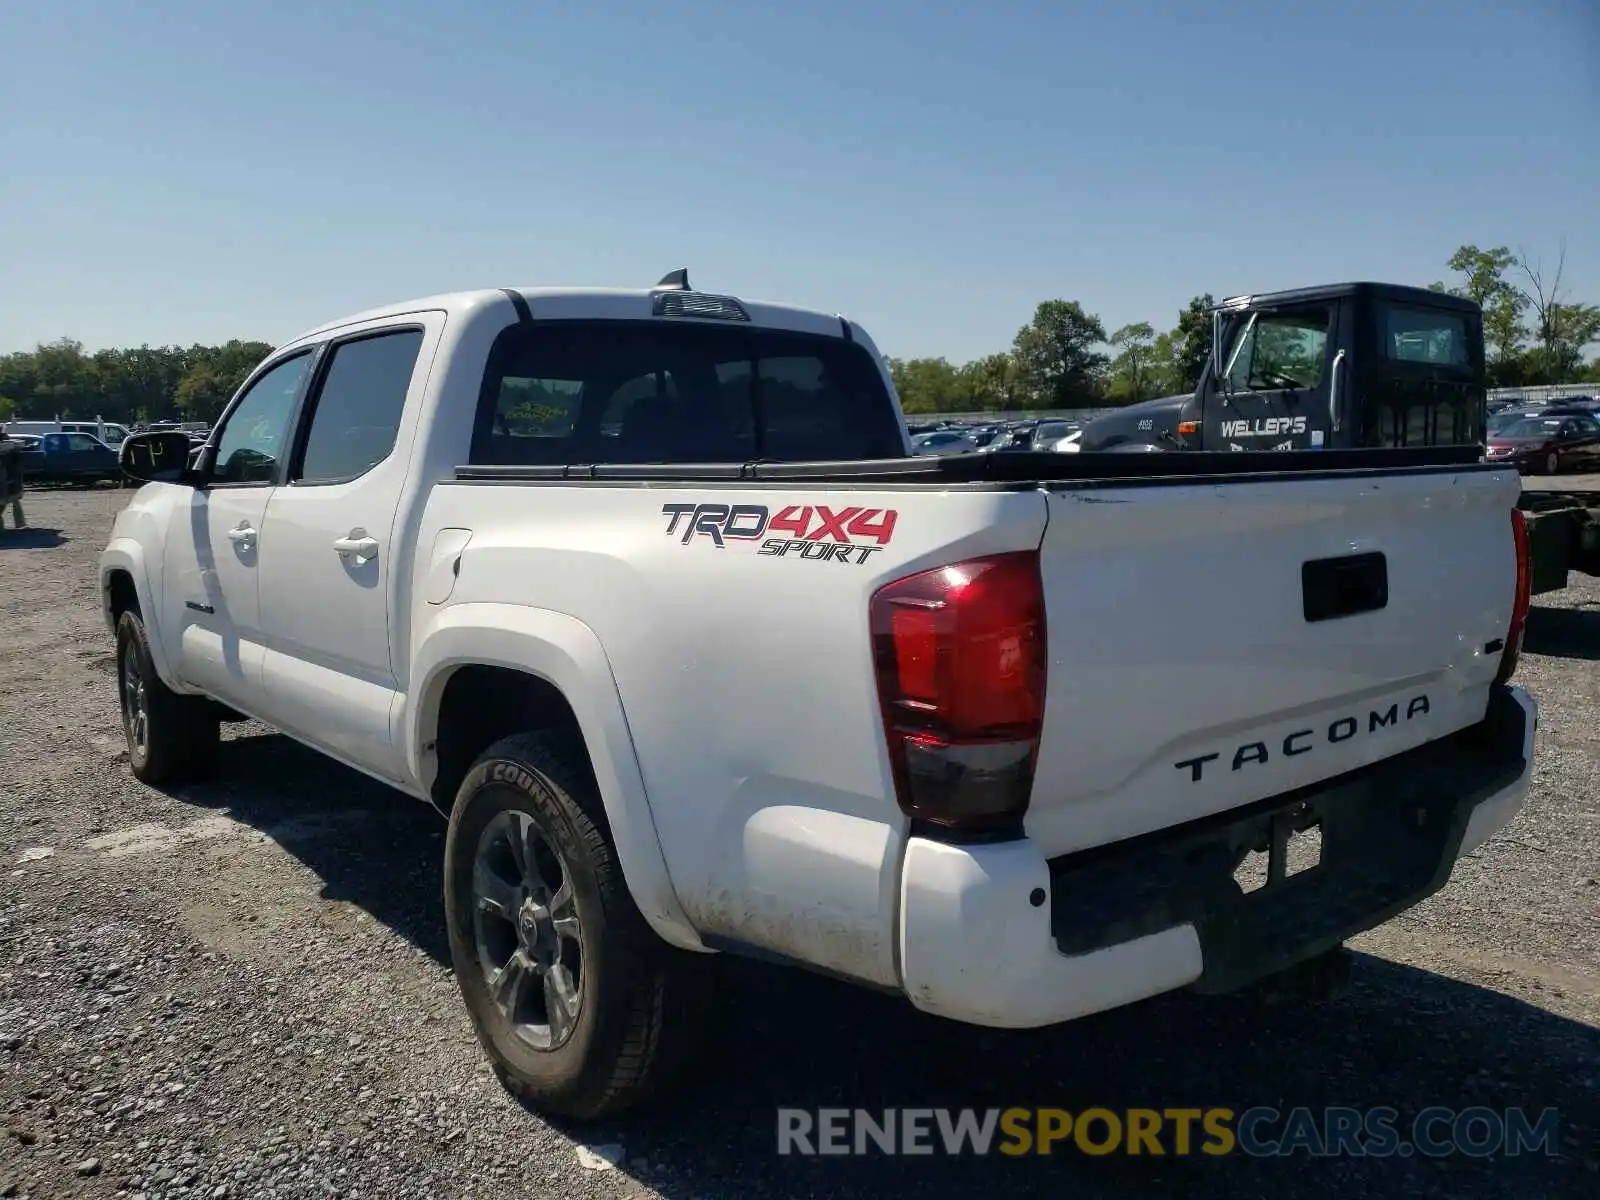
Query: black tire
[1552, 463]
[641, 1004]
[180, 733]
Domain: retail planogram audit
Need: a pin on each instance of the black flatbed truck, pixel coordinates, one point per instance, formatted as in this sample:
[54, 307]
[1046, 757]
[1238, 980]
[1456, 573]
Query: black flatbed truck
[1563, 529]
[1348, 367]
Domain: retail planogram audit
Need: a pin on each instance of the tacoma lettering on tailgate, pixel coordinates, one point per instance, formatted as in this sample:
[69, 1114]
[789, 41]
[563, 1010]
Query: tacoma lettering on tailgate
[815, 532]
[1303, 741]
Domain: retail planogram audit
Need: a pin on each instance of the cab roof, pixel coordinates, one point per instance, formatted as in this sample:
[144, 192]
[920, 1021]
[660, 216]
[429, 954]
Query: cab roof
[1404, 293]
[596, 303]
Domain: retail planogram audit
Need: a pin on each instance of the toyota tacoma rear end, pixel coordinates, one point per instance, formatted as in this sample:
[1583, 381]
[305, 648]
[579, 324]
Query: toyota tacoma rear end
[645, 592]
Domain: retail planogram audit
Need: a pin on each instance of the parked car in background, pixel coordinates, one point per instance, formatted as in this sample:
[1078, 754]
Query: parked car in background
[109, 432]
[1048, 433]
[1070, 444]
[1583, 406]
[1017, 438]
[943, 441]
[1548, 444]
[1508, 417]
[70, 458]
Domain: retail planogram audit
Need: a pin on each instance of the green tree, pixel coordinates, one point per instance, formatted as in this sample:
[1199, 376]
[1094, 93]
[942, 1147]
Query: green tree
[1484, 281]
[1137, 366]
[927, 385]
[1191, 344]
[200, 395]
[1562, 327]
[1058, 364]
[60, 378]
[1568, 330]
[234, 360]
[991, 382]
[1164, 351]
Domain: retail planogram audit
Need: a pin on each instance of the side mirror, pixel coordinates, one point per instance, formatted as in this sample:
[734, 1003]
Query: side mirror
[156, 457]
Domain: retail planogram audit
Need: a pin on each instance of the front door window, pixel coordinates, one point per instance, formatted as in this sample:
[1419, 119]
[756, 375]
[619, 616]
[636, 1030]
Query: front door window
[257, 430]
[1280, 350]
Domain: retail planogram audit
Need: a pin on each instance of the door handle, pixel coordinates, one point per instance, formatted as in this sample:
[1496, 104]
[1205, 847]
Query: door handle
[241, 533]
[357, 546]
[1335, 417]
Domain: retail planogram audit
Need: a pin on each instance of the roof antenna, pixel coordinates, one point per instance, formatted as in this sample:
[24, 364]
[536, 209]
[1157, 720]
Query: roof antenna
[678, 280]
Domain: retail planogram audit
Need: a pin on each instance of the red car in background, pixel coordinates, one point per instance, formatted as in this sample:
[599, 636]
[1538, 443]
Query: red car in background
[1548, 444]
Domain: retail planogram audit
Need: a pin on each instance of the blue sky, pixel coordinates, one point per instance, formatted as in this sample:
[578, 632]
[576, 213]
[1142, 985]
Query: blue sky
[180, 172]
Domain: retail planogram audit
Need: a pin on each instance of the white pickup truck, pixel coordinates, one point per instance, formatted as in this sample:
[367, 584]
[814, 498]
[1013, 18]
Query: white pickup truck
[646, 593]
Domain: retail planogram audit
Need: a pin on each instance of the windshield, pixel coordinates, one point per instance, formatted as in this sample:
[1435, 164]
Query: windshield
[1527, 429]
[1504, 420]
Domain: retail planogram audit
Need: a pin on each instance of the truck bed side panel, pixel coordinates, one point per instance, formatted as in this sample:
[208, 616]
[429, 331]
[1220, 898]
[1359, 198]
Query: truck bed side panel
[745, 673]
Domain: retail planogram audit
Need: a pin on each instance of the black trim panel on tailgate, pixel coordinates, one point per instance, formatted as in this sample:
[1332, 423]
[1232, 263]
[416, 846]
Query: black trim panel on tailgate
[1390, 836]
[1344, 586]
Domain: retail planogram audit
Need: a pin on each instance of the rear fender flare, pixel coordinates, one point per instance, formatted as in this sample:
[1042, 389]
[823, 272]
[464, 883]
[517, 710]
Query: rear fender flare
[566, 653]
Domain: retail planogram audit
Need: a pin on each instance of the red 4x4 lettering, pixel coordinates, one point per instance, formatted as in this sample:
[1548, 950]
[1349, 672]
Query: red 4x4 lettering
[880, 531]
[832, 523]
[794, 520]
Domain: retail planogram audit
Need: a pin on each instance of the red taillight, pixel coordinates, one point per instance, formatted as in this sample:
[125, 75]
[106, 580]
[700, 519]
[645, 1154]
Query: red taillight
[960, 659]
[1519, 605]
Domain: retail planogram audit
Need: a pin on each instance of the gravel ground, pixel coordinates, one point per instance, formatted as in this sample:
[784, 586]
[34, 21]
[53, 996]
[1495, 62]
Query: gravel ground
[242, 988]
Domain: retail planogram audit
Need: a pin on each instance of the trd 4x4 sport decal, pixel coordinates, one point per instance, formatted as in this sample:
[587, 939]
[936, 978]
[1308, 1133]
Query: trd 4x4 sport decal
[814, 532]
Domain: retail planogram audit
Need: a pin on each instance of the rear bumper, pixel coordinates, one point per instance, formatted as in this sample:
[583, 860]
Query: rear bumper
[998, 935]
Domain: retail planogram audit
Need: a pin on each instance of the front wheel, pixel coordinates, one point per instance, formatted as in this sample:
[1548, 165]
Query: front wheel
[582, 1009]
[171, 738]
[1552, 463]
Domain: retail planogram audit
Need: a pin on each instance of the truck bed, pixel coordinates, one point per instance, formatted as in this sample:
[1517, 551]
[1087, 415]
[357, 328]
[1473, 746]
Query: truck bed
[1563, 483]
[1179, 633]
[1028, 469]
[1563, 514]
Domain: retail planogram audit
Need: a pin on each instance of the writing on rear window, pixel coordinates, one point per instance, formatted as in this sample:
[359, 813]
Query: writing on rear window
[810, 532]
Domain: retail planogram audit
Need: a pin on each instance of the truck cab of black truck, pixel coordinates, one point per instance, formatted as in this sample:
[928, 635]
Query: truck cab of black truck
[1341, 366]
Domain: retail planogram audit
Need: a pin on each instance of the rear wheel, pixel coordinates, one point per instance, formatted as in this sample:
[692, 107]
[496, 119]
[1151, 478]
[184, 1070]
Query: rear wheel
[583, 1010]
[171, 738]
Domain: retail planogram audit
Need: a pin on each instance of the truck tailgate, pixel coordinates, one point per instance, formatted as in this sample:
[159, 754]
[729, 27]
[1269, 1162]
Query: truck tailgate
[1190, 671]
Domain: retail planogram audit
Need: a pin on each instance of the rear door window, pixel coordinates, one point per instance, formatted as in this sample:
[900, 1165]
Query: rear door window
[562, 393]
[356, 416]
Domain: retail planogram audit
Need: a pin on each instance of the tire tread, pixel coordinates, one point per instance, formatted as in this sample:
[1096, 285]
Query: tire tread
[183, 734]
[657, 984]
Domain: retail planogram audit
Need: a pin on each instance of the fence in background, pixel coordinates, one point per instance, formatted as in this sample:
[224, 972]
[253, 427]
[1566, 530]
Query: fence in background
[1555, 391]
[1558, 391]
